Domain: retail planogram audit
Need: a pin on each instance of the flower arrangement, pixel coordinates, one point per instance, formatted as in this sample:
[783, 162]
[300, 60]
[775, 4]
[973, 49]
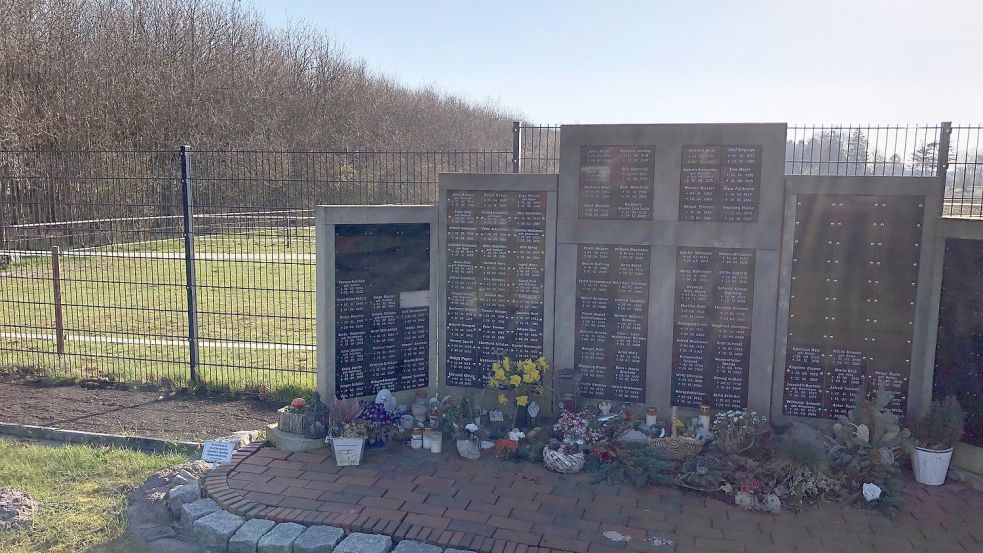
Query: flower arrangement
[941, 428]
[344, 419]
[577, 426]
[736, 431]
[517, 381]
[379, 423]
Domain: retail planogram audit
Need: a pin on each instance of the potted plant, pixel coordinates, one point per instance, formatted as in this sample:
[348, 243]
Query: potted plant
[468, 438]
[348, 432]
[934, 435]
[293, 418]
[517, 384]
[380, 424]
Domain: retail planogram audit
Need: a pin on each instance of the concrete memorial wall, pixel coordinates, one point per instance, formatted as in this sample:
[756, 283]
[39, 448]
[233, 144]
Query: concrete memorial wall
[376, 314]
[667, 261]
[855, 288]
[667, 264]
[497, 249]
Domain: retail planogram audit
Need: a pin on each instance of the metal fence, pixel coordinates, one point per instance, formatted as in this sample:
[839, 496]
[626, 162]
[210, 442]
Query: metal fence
[109, 269]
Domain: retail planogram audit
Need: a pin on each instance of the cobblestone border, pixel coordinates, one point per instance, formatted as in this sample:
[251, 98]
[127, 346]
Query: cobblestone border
[217, 488]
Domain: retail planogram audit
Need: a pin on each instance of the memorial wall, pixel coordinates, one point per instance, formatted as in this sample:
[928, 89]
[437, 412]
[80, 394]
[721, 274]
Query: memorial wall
[667, 261]
[855, 270]
[669, 265]
[497, 240]
[376, 315]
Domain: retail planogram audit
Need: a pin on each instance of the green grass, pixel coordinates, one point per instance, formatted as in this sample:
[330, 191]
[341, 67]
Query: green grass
[83, 490]
[243, 301]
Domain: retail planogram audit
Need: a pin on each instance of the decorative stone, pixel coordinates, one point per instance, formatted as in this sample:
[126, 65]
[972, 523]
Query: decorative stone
[318, 539]
[365, 543]
[247, 536]
[240, 438]
[458, 551]
[213, 531]
[286, 441]
[190, 512]
[178, 496]
[408, 546]
[280, 539]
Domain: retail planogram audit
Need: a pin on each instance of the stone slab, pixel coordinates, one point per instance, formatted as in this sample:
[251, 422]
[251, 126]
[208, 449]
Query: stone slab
[288, 441]
[191, 512]
[248, 535]
[280, 539]
[365, 543]
[318, 539]
[409, 546]
[213, 531]
[182, 494]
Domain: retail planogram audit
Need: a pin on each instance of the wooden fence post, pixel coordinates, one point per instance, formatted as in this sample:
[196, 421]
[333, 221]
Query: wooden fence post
[56, 284]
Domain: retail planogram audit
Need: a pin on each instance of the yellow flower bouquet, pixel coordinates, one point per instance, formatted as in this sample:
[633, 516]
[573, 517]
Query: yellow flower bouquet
[518, 382]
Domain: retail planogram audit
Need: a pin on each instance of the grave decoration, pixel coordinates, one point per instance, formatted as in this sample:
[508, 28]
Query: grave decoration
[348, 432]
[742, 459]
[518, 384]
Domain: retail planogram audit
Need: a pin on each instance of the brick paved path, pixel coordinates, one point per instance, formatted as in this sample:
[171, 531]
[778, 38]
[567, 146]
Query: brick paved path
[496, 507]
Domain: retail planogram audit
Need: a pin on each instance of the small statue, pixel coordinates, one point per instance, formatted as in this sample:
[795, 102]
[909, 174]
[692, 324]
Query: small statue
[605, 407]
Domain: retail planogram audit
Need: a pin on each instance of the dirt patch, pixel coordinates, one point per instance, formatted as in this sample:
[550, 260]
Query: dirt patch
[130, 412]
[17, 508]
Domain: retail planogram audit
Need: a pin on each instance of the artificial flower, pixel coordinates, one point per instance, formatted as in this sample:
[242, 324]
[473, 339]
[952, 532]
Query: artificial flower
[522, 401]
[471, 427]
[515, 380]
[871, 491]
[502, 399]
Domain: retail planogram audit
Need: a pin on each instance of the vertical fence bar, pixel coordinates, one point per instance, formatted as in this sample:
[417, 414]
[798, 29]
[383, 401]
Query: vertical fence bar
[56, 287]
[942, 163]
[189, 262]
[516, 146]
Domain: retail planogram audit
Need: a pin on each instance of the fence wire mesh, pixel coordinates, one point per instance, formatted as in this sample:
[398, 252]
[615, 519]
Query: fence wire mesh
[93, 278]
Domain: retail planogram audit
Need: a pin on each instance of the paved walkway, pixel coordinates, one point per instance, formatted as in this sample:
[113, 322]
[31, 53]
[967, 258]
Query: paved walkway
[499, 507]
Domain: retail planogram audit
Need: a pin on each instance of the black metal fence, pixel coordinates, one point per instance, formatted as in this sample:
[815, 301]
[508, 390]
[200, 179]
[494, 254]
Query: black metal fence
[106, 270]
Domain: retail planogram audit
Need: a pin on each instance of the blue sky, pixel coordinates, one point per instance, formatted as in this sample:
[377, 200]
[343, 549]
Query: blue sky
[613, 61]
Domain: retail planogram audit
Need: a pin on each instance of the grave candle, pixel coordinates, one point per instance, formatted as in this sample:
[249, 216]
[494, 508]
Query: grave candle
[436, 441]
[651, 416]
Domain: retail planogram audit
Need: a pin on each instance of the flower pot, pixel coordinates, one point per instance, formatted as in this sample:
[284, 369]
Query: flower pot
[289, 421]
[469, 449]
[348, 451]
[930, 465]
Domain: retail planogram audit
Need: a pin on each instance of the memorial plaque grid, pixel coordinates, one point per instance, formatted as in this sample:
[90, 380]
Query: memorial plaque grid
[617, 182]
[852, 300]
[720, 183]
[611, 328]
[382, 337]
[711, 348]
[495, 280]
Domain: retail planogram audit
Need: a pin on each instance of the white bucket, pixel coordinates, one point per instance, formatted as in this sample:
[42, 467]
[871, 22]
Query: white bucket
[930, 465]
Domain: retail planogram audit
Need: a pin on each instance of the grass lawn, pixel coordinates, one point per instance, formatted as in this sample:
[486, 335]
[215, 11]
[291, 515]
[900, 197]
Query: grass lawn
[83, 490]
[138, 298]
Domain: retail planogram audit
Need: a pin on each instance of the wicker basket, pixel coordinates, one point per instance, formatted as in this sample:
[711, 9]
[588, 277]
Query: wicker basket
[676, 448]
[564, 463]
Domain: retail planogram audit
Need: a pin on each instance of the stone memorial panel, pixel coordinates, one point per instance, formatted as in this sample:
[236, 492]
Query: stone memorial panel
[495, 280]
[382, 310]
[720, 183]
[854, 278]
[712, 326]
[959, 348]
[611, 328]
[616, 182]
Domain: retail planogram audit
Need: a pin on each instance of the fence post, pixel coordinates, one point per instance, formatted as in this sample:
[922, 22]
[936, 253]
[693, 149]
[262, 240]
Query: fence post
[516, 145]
[189, 262]
[942, 167]
[56, 286]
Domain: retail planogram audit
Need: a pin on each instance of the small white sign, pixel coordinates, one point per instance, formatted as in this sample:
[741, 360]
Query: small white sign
[215, 451]
[496, 416]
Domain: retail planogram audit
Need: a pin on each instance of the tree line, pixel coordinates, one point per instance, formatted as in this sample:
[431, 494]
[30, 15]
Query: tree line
[152, 74]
